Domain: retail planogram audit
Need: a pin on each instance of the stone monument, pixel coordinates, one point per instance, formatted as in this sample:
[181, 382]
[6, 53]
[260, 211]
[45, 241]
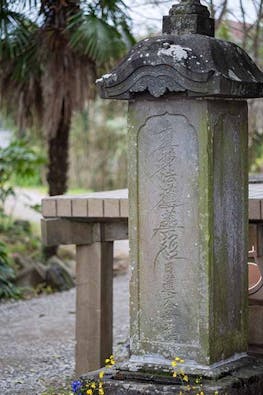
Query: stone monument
[188, 181]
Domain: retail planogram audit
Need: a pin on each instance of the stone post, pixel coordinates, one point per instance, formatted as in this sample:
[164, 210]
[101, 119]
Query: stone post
[188, 228]
[188, 184]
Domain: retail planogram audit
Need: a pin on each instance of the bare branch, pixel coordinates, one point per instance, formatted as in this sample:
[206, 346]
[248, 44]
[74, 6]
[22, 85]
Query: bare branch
[222, 13]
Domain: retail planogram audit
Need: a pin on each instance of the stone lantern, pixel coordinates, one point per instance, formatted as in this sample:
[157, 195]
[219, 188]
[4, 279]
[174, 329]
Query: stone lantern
[188, 191]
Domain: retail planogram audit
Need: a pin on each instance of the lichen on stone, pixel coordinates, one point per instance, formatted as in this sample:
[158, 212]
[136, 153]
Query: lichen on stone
[176, 51]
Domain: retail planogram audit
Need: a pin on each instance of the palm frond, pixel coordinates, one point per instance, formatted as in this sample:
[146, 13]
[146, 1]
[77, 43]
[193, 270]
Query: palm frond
[29, 3]
[94, 37]
[20, 93]
[13, 26]
[48, 67]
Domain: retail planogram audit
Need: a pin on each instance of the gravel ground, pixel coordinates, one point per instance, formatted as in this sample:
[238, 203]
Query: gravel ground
[37, 339]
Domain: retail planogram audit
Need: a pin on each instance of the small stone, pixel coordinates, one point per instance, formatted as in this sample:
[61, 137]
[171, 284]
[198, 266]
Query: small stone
[57, 275]
[166, 45]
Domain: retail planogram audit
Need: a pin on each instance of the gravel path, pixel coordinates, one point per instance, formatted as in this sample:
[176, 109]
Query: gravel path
[37, 339]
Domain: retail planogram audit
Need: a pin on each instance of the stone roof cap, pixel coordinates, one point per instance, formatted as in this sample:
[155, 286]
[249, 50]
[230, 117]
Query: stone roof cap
[192, 64]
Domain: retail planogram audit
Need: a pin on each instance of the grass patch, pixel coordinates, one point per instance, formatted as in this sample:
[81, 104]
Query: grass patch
[43, 190]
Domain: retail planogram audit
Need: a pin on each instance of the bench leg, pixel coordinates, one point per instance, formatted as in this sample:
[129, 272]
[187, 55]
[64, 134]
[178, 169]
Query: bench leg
[94, 306]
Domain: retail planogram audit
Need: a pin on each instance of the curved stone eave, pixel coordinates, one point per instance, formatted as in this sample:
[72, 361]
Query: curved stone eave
[196, 67]
[160, 85]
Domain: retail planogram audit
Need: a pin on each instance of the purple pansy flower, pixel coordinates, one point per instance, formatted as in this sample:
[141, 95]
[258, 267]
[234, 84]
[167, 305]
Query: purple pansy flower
[76, 386]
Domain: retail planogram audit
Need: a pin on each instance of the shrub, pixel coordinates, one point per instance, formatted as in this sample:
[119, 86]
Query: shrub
[17, 161]
[7, 289]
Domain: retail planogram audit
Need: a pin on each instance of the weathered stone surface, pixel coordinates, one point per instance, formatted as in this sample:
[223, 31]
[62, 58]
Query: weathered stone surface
[193, 64]
[190, 7]
[193, 24]
[130, 371]
[229, 387]
[243, 381]
[189, 16]
[187, 191]
[229, 277]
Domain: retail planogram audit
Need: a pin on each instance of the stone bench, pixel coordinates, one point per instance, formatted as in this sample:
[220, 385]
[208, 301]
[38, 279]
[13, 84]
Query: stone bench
[93, 222]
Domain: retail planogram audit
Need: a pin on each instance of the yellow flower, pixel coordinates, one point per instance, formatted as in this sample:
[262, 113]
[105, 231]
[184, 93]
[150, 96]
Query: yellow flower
[202, 393]
[89, 392]
[181, 360]
[174, 374]
[216, 393]
[93, 385]
[177, 359]
[101, 374]
[185, 378]
[110, 361]
[101, 391]
[174, 364]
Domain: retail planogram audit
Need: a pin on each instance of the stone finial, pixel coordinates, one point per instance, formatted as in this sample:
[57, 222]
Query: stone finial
[189, 17]
[189, 7]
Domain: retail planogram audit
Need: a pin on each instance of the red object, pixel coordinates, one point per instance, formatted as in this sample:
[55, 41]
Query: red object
[255, 280]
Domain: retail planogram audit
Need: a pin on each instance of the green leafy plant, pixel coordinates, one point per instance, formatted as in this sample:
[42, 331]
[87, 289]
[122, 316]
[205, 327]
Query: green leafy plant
[7, 289]
[17, 160]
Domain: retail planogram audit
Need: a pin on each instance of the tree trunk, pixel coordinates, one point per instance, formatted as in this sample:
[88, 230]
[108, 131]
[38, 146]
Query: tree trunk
[58, 152]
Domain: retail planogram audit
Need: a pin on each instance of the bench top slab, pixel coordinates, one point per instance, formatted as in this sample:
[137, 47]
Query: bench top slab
[114, 204]
[107, 204]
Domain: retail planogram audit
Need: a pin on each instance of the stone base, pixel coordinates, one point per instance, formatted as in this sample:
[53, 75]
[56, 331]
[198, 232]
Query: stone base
[246, 380]
[152, 365]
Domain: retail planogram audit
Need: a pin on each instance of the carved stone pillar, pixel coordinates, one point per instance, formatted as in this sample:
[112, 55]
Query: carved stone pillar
[188, 227]
[187, 193]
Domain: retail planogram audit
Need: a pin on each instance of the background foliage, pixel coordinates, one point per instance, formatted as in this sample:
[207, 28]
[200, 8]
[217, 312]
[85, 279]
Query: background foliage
[7, 288]
[19, 162]
[98, 153]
